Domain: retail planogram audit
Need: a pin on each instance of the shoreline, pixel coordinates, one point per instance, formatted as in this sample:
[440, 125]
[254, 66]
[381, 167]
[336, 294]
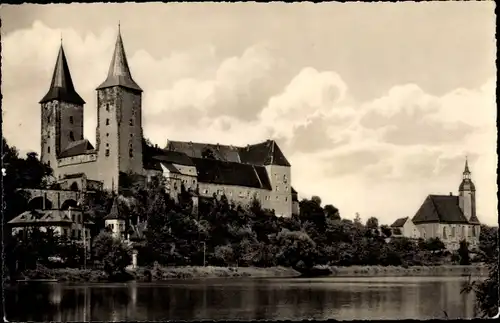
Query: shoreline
[161, 273]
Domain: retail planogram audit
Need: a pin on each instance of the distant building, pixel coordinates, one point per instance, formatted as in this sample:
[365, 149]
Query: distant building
[241, 173]
[447, 217]
[404, 227]
[115, 222]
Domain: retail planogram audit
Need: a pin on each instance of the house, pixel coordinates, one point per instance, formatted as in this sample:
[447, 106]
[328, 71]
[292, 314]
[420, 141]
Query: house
[404, 227]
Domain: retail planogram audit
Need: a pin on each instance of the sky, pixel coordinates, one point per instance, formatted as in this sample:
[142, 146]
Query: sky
[376, 105]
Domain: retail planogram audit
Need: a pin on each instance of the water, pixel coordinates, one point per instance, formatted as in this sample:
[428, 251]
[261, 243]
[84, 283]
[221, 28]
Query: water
[217, 299]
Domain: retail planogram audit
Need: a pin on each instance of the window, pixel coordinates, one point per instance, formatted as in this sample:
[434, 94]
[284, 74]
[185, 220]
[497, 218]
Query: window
[284, 179]
[107, 122]
[131, 135]
[194, 181]
[131, 122]
[131, 152]
[79, 234]
[48, 149]
[107, 152]
[444, 233]
[205, 191]
[453, 231]
[277, 198]
[71, 119]
[107, 145]
[48, 119]
[107, 107]
[286, 199]
[473, 232]
[463, 231]
[71, 136]
[65, 232]
[112, 226]
[107, 134]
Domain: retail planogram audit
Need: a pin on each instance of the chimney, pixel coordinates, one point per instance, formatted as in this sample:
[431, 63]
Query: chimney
[451, 194]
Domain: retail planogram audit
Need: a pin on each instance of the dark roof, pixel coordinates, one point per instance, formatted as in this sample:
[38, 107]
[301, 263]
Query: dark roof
[171, 168]
[265, 153]
[440, 208]
[61, 87]
[474, 220]
[115, 213]
[230, 173]
[399, 222]
[467, 182]
[119, 71]
[77, 147]
[76, 175]
[40, 217]
[153, 156]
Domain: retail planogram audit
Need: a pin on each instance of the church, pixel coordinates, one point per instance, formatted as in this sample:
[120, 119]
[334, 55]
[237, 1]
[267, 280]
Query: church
[450, 218]
[258, 170]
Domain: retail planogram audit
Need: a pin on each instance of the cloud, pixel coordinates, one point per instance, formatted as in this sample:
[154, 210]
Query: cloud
[379, 157]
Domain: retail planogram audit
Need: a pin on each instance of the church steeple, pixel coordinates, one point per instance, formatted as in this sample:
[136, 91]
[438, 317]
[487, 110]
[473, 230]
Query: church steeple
[119, 71]
[61, 87]
[467, 184]
[466, 172]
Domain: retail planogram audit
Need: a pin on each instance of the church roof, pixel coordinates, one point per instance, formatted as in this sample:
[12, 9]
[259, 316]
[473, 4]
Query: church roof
[61, 87]
[119, 71]
[265, 153]
[441, 209]
[229, 173]
[399, 222]
[77, 147]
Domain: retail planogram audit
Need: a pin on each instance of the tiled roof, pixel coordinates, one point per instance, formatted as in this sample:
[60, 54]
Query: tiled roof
[40, 217]
[119, 71]
[399, 222]
[153, 156]
[440, 208]
[77, 147]
[230, 173]
[61, 87]
[265, 153]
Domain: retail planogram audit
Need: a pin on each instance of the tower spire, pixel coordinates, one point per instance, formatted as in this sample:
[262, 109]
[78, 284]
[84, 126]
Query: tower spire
[61, 87]
[466, 170]
[119, 71]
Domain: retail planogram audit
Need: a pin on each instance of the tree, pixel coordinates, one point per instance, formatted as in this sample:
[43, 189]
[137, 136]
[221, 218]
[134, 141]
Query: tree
[332, 212]
[316, 199]
[372, 223]
[488, 242]
[112, 253]
[463, 252]
[357, 219]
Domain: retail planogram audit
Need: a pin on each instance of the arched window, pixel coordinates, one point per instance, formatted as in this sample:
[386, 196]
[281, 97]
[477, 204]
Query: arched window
[444, 233]
[453, 231]
[48, 149]
[107, 107]
[71, 119]
[107, 122]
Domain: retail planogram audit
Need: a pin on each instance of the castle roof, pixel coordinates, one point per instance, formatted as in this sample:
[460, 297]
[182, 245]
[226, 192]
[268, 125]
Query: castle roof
[229, 173]
[61, 87]
[77, 147]
[119, 71]
[265, 153]
[399, 222]
[441, 209]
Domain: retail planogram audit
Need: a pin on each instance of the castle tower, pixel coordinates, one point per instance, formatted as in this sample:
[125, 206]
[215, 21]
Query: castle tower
[62, 113]
[119, 121]
[467, 194]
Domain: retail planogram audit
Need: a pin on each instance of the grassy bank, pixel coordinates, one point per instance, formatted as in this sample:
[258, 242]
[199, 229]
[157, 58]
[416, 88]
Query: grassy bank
[159, 273]
[442, 270]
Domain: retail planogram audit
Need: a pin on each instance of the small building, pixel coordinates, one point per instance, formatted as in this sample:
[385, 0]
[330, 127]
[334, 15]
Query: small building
[115, 221]
[69, 223]
[404, 227]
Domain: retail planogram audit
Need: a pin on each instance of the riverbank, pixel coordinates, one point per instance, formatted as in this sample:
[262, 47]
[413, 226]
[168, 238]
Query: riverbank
[159, 273]
[381, 271]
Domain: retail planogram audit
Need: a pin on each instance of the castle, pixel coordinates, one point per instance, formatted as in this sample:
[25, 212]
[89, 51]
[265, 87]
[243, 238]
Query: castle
[447, 217]
[206, 170]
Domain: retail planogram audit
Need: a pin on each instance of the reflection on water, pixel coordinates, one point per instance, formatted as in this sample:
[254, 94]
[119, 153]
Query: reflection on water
[337, 298]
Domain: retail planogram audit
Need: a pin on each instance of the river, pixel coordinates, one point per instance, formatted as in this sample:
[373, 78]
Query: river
[247, 299]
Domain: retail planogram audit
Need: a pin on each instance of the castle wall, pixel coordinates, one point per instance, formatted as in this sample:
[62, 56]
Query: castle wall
[280, 199]
[81, 164]
[238, 194]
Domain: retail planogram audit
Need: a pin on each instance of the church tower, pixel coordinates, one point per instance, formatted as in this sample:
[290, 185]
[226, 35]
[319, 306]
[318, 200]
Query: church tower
[62, 114]
[467, 194]
[119, 121]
